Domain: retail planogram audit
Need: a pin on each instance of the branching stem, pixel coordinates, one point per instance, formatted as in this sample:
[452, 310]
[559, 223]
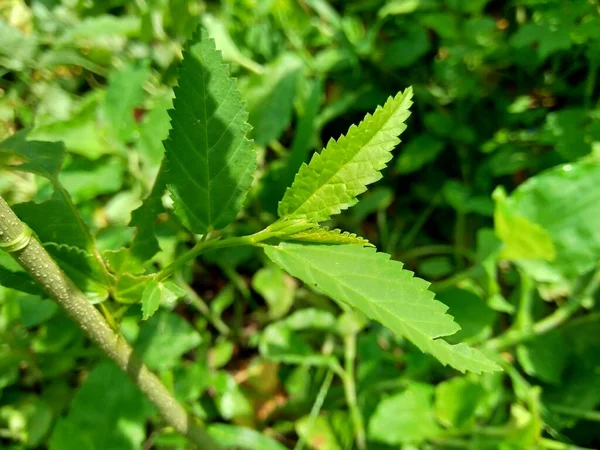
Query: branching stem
[517, 336]
[40, 265]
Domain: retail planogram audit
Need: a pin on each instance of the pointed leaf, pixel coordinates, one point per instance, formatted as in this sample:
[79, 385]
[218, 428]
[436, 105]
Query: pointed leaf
[381, 289]
[210, 161]
[333, 178]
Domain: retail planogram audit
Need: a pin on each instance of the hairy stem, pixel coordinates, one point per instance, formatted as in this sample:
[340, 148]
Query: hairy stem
[39, 264]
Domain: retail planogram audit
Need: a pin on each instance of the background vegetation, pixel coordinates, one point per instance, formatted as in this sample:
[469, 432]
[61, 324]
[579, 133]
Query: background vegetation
[494, 196]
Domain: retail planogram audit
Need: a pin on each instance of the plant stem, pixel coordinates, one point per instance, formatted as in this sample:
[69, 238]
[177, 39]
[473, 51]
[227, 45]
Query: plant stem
[40, 265]
[592, 416]
[205, 245]
[316, 408]
[557, 318]
[350, 390]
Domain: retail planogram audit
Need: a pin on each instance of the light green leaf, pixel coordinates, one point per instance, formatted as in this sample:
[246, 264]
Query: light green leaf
[242, 438]
[276, 287]
[154, 129]
[522, 238]
[124, 92]
[82, 133]
[86, 180]
[326, 236]
[564, 202]
[405, 418]
[151, 299]
[378, 287]
[210, 161]
[333, 178]
[458, 400]
[157, 292]
[318, 433]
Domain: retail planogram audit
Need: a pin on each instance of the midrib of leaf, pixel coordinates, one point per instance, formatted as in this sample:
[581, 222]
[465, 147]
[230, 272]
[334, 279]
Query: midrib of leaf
[208, 150]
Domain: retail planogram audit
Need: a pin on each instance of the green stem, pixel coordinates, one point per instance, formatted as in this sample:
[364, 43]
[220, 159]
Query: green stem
[414, 231]
[592, 416]
[523, 320]
[316, 408]
[39, 264]
[432, 250]
[350, 391]
[513, 336]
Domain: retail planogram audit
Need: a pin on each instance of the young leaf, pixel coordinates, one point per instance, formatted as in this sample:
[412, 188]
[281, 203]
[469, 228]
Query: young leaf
[326, 236]
[333, 178]
[210, 161]
[378, 287]
[155, 293]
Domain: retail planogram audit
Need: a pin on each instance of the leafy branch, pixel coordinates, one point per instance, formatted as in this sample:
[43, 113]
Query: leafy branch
[32, 256]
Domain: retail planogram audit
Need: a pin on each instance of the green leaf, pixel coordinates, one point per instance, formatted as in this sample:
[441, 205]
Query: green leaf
[277, 288]
[378, 287]
[145, 244]
[210, 162]
[53, 221]
[545, 357]
[563, 201]
[124, 92]
[405, 418]
[271, 98]
[326, 236]
[522, 238]
[164, 338]
[41, 158]
[242, 438]
[82, 268]
[14, 277]
[418, 152]
[107, 412]
[157, 292]
[333, 178]
[471, 311]
[318, 433]
[457, 401]
[86, 180]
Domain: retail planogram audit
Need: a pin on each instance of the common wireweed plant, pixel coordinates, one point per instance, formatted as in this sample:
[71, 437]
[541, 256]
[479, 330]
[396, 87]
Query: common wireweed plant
[208, 169]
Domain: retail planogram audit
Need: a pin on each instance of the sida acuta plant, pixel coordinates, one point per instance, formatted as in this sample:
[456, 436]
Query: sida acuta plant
[208, 170]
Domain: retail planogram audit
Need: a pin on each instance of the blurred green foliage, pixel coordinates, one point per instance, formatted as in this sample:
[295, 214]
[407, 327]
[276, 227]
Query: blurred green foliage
[494, 197]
